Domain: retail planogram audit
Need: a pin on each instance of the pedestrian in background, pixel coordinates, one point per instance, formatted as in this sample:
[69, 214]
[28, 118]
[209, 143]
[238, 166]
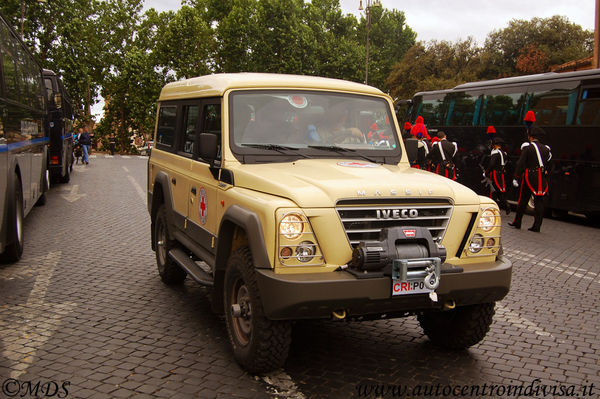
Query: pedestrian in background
[85, 141]
[532, 171]
[496, 172]
[112, 142]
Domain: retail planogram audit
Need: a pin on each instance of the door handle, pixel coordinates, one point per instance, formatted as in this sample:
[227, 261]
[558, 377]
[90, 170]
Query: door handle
[174, 181]
[194, 190]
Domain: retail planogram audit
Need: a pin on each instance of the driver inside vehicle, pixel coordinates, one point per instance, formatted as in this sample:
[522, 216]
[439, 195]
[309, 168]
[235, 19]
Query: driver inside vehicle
[333, 128]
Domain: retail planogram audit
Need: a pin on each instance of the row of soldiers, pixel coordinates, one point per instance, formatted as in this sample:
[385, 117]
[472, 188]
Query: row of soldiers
[438, 155]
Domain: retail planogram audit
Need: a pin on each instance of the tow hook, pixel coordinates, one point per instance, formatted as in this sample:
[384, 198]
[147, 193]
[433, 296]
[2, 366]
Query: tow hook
[450, 305]
[339, 314]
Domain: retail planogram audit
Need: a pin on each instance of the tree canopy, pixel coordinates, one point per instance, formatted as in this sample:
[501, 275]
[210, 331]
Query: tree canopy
[114, 49]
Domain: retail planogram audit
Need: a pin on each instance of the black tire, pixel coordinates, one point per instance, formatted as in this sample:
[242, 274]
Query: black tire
[170, 273]
[259, 345]
[67, 177]
[46, 187]
[458, 328]
[14, 251]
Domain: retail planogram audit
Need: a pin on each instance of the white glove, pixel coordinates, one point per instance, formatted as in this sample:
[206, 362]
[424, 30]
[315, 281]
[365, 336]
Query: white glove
[515, 183]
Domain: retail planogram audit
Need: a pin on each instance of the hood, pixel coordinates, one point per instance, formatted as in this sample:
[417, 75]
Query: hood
[315, 183]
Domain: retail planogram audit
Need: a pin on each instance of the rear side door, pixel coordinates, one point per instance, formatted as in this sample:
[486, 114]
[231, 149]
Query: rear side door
[202, 215]
[177, 167]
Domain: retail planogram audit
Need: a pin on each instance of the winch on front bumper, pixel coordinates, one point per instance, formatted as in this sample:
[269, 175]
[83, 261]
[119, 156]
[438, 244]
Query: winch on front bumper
[385, 278]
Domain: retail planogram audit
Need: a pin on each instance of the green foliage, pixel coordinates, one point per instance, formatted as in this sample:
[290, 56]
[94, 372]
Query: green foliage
[556, 37]
[109, 47]
[435, 66]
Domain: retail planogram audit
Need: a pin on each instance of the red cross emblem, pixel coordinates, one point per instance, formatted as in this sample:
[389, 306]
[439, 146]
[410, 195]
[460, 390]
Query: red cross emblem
[202, 207]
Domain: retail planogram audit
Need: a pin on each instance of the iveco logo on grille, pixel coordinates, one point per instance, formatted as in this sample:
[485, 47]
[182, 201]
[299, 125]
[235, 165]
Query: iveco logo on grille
[397, 213]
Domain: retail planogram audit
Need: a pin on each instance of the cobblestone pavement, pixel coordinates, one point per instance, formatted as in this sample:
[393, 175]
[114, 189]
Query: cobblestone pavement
[84, 314]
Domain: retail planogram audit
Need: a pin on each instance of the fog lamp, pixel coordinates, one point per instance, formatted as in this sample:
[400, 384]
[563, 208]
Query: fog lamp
[305, 252]
[476, 243]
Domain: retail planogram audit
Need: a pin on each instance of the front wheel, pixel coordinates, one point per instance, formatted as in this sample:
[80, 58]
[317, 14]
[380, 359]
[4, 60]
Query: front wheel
[458, 328]
[259, 344]
[14, 250]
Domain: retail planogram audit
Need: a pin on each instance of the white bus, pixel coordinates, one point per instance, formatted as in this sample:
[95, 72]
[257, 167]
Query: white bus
[24, 175]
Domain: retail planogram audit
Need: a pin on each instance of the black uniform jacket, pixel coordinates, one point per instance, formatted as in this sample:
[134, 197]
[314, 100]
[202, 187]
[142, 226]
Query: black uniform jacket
[532, 169]
[447, 147]
[496, 169]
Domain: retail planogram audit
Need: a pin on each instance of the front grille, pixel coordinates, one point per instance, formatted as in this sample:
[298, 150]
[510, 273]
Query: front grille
[363, 220]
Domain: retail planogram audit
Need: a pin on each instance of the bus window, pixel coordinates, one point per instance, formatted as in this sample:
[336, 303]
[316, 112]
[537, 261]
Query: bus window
[502, 109]
[551, 107]
[589, 107]
[462, 109]
[9, 68]
[433, 110]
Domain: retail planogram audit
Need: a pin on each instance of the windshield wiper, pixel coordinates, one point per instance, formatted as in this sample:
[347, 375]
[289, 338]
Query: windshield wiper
[341, 150]
[276, 147]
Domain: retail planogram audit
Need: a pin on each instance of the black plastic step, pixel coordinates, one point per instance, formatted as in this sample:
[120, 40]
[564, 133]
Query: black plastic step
[196, 271]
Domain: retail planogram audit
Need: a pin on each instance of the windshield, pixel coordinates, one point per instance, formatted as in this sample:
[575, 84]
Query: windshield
[312, 124]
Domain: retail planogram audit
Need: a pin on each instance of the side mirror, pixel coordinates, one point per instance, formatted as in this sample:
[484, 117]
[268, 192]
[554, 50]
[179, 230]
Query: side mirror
[209, 147]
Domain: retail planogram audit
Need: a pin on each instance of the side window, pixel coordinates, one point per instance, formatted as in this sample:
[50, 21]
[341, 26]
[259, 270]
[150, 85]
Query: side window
[192, 113]
[211, 121]
[49, 90]
[212, 118]
[588, 112]
[167, 121]
[8, 63]
[502, 109]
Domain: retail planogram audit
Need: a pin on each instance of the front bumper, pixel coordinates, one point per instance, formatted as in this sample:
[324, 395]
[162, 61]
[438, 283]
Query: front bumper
[317, 295]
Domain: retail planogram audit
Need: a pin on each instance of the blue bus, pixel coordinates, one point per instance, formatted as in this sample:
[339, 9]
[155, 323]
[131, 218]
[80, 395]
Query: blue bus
[60, 128]
[24, 177]
[566, 106]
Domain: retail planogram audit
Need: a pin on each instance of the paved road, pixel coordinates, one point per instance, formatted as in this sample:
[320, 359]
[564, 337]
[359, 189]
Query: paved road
[85, 315]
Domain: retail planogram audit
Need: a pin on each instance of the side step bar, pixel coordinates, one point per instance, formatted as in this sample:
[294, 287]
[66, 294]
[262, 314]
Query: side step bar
[192, 268]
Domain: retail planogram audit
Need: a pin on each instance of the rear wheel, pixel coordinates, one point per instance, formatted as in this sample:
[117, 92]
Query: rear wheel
[259, 344]
[14, 251]
[458, 328]
[169, 271]
[67, 177]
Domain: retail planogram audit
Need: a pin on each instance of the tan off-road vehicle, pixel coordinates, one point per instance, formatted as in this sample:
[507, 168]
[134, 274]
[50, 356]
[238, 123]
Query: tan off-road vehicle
[293, 198]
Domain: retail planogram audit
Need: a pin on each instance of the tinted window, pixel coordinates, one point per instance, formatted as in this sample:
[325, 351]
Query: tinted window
[433, 110]
[461, 109]
[502, 109]
[9, 55]
[588, 112]
[190, 128]
[167, 121]
[551, 107]
[212, 118]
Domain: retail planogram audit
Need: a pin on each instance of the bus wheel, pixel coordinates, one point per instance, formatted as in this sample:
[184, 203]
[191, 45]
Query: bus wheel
[65, 179]
[46, 187]
[14, 250]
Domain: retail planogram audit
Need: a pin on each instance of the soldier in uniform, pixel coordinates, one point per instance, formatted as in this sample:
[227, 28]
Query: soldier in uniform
[442, 157]
[422, 153]
[532, 170]
[495, 171]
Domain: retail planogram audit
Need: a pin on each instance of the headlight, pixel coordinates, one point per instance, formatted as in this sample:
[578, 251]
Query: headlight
[476, 243]
[291, 226]
[487, 220]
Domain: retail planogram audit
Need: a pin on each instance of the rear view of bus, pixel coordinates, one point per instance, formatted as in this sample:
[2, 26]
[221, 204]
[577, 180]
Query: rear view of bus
[60, 128]
[23, 144]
